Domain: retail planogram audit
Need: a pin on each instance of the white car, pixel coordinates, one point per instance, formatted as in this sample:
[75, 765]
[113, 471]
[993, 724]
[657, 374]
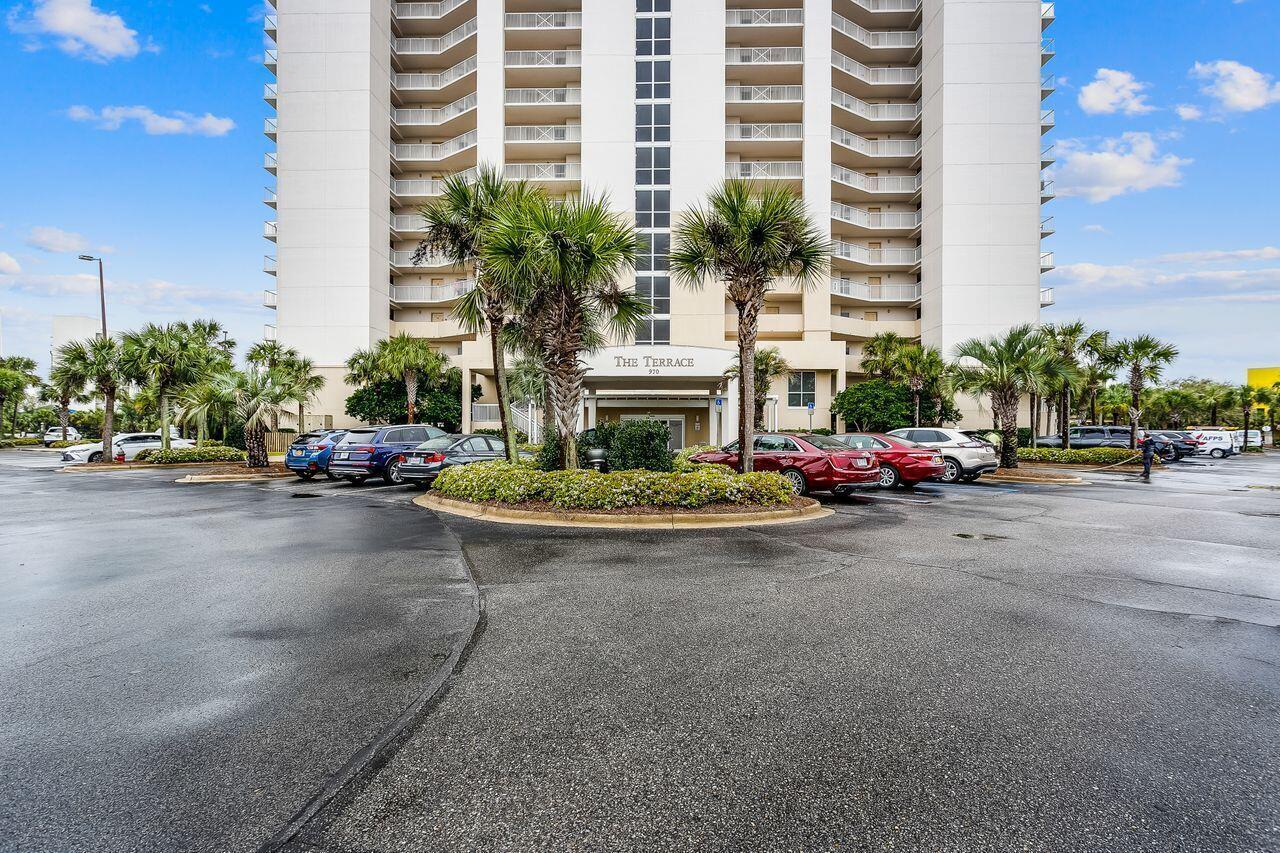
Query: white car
[127, 446]
[1218, 443]
[966, 459]
[53, 434]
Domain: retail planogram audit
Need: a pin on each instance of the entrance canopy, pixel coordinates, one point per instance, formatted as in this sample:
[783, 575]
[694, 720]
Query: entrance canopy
[658, 368]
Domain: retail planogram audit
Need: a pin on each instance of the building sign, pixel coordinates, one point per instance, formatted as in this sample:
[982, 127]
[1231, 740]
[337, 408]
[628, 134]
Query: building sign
[659, 361]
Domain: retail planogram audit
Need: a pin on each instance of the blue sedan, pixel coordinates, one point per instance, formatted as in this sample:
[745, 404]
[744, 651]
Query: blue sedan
[310, 452]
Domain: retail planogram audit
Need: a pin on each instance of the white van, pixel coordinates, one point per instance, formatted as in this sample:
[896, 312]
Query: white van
[1218, 443]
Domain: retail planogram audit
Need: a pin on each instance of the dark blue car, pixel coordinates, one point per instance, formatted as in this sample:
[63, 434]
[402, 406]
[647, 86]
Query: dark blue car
[309, 454]
[377, 451]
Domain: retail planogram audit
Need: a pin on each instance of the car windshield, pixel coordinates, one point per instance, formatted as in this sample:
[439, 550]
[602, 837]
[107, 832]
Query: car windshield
[443, 442]
[825, 442]
[358, 437]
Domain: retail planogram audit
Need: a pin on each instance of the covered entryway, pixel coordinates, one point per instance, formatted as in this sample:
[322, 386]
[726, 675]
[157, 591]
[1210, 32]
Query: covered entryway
[674, 424]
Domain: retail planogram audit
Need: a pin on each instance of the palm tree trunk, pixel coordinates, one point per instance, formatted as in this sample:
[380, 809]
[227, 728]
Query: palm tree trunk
[1245, 411]
[301, 412]
[256, 446]
[164, 419]
[915, 400]
[748, 323]
[1271, 419]
[1136, 392]
[548, 415]
[1064, 416]
[411, 393]
[64, 416]
[1006, 413]
[202, 430]
[496, 323]
[1213, 414]
[108, 423]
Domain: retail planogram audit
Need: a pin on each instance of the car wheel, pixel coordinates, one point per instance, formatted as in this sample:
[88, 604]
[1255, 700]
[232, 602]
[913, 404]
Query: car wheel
[96, 456]
[1218, 453]
[392, 474]
[951, 471]
[889, 477]
[797, 480]
[305, 475]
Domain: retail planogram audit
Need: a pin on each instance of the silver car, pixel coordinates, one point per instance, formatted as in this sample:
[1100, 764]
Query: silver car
[126, 444]
[965, 458]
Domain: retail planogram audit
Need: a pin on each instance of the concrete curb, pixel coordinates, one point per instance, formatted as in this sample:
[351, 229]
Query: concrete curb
[649, 521]
[1040, 481]
[234, 478]
[133, 466]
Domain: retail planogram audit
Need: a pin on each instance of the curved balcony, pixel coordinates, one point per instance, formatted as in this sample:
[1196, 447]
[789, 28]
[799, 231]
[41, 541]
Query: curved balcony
[892, 258]
[850, 149]
[882, 45]
[405, 85]
[542, 104]
[402, 261]
[881, 81]
[535, 140]
[860, 328]
[860, 115]
[763, 139]
[411, 49]
[771, 170]
[879, 187]
[436, 155]
[764, 64]
[876, 294]
[764, 103]
[406, 295]
[409, 119]
[891, 223]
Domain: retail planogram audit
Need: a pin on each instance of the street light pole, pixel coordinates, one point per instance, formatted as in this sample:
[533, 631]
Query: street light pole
[102, 292]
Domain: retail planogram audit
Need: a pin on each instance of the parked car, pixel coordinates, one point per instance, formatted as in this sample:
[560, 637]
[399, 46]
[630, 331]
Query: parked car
[309, 453]
[376, 451]
[813, 463]
[127, 446]
[1183, 444]
[54, 433]
[423, 464]
[900, 462]
[1083, 437]
[963, 458]
[1217, 443]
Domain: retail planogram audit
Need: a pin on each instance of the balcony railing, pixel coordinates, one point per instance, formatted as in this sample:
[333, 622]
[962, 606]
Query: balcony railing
[269, 162]
[1046, 297]
[544, 20]
[438, 44]
[269, 299]
[1047, 12]
[1046, 157]
[875, 147]
[535, 97]
[543, 171]
[877, 257]
[1046, 119]
[269, 127]
[407, 222]
[413, 82]
[269, 264]
[269, 229]
[753, 170]
[268, 332]
[542, 58]
[893, 220]
[269, 196]
[764, 132]
[763, 55]
[874, 38]
[762, 94]
[887, 75]
[875, 112]
[484, 412]
[1046, 226]
[877, 183]
[543, 133]
[763, 17]
[269, 93]
[417, 186]
[269, 25]
[888, 5]
[427, 10]
[1046, 261]
[875, 292]
[429, 117]
[1046, 50]
[404, 258]
[1048, 83]
[404, 294]
[1046, 190]
[269, 59]
[434, 150]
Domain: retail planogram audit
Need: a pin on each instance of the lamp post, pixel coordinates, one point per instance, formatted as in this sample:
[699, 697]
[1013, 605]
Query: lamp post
[102, 292]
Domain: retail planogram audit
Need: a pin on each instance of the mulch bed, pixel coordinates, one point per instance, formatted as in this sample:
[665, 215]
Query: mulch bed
[710, 509]
[204, 467]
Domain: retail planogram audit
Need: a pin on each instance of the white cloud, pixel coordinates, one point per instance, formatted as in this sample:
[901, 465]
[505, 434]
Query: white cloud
[1114, 91]
[9, 265]
[1236, 87]
[153, 295]
[1095, 229]
[46, 238]
[1118, 166]
[1266, 253]
[78, 29]
[113, 118]
[1141, 276]
[1189, 112]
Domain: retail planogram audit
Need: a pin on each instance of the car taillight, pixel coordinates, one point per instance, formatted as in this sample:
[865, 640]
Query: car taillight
[433, 456]
[401, 458]
[364, 448]
[978, 444]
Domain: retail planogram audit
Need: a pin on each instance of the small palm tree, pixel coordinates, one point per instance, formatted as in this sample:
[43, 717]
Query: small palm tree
[268, 355]
[561, 261]
[62, 389]
[203, 401]
[748, 237]
[97, 362]
[1005, 368]
[1144, 358]
[17, 373]
[1270, 397]
[258, 395]
[410, 360]
[1247, 398]
[770, 365]
[881, 355]
[165, 358]
[363, 369]
[300, 375]
[920, 367]
[1067, 341]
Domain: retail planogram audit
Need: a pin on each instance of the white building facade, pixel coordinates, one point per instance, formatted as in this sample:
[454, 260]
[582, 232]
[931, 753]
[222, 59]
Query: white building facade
[913, 128]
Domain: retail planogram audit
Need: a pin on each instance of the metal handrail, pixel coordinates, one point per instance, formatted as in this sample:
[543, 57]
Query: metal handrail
[762, 94]
[269, 160]
[434, 150]
[875, 112]
[867, 219]
[861, 254]
[1046, 117]
[270, 299]
[543, 20]
[407, 222]
[269, 264]
[561, 95]
[269, 125]
[1046, 46]
[750, 132]
[543, 133]
[436, 115]
[763, 17]
[417, 186]
[409, 293]
[415, 81]
[879, 75]
[875, 292]
[764, 55]
[404, 258]
[1046, 189]
[543, 171]
[874, 38]
[268, 195]
[878, 183]
[427, 10]
[888, 5]
[436, 44]
[541, 58]
[875, 147]
[1046, 225]
[269, 229]
[764, 170]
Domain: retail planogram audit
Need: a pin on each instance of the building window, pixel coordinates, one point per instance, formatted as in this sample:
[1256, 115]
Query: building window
[800, 389]
[653, 165]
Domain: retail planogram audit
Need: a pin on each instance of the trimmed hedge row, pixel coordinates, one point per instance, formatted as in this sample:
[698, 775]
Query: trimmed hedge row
[19, 442]
[71, 442]
[590, 490]
[1081, 456]
[192, 454]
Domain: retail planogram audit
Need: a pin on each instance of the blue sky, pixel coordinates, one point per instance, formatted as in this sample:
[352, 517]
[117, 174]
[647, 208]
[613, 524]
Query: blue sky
[139, 135]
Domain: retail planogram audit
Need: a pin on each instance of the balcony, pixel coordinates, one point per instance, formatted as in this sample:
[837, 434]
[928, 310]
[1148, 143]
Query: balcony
[1046, 191]
[884, 45]
[874, 117]
[485, 413]
[421, 155]
[406, 295]
[535, 140]
[764, 27]
[541, 30]
[426, 11]
[268, 197]
[402, 261]
[891, 223]
[880, 187]
[269, 162]
[881, 81]
[875, 258]
[773, 170]
[434, 48]
[885, 13]
[764, 103]
[269, 128]
[538, 105]
[543, 67]
[562, 176]
[764, 64]
[1046, 261]
[1047, 15]
[850, 148]
[269, 264]
[1048, 85]
[269, 93]
[1047, 50]
[1047, 157]
[861, 328]
[444, 329]
[269, 230]
[1046, 297]
[770, 327]
[269, 60]
[881, 294]
[405, 191]
[1046, 227]
[406, 225]
[268, 332]
[269, 299]
[269, 25]
[763, 139]
[410, 118]
[1046, 121]
[407, 83]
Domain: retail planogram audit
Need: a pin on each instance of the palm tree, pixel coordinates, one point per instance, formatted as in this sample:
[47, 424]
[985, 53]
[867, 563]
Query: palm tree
[410, 360]
[165, 358]
[96, 362]
[747, 238]
[363, 369]
[1004, 368]
[299, 375]
[881, 355]
[1270, 397]
[561, 260]
[258, 396]
[1246, 398]
[1067, 341]
[1145, 358]
[920, 367]
[21, 375]
[457, 225]
[204, 401]
[770, 365]
[61, 389]
[268, 355]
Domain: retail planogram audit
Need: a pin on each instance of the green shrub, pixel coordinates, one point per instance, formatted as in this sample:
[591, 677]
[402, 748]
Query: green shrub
[19, 442]
[590, 490]
[1083, 456]
[548, 458]
[58, 445]
[640, 444]
[192, 454]
[683, 464]
[1024, 436]
[1253, 448]
[822, 431]
[521, 438]
[599, 437]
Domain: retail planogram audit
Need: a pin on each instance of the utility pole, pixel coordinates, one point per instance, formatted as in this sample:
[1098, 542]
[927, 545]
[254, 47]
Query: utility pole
[102, 292]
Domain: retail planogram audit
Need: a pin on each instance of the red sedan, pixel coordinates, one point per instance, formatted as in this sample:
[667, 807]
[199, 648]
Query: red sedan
[901, 462]
[813, 463]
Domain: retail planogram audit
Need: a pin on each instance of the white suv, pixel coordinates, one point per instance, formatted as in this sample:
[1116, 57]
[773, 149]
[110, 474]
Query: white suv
[54, 433]
[966, 459]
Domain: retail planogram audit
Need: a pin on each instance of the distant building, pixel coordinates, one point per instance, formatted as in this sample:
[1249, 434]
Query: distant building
[73, 327]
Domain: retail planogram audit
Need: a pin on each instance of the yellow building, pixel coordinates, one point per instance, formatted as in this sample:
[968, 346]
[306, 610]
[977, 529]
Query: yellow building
[1263, 377]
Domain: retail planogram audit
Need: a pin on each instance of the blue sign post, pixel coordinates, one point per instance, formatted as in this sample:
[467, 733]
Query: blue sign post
[810, 407]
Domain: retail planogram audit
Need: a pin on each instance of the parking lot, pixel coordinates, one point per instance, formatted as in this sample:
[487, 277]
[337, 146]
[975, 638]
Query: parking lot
[957, 667]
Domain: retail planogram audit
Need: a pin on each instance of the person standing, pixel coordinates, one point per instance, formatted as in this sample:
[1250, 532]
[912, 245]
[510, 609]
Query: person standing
[1147, 443]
